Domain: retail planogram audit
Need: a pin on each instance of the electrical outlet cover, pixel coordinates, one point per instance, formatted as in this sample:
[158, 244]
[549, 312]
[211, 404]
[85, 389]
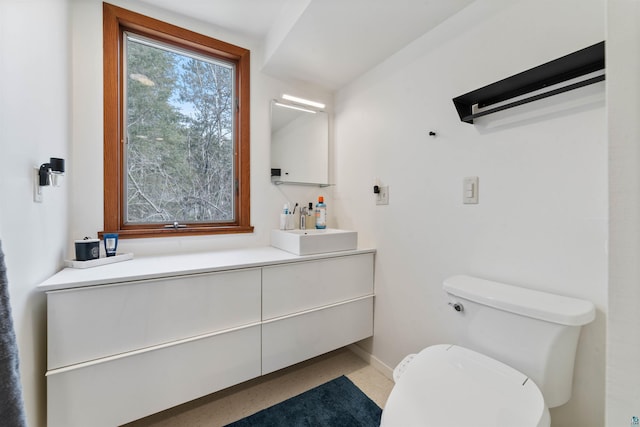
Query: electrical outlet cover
[37, 190]
[382, 198]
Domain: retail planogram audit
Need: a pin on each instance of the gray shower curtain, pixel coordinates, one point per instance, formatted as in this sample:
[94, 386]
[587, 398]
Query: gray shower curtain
[11, 405]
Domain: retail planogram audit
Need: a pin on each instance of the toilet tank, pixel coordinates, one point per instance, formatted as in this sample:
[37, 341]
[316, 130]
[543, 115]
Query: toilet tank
[532, 331]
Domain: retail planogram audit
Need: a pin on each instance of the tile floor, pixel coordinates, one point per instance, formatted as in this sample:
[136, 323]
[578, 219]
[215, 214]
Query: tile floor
[234, 403]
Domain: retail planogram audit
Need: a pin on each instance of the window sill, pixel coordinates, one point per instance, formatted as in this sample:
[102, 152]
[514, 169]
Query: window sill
[174, 232]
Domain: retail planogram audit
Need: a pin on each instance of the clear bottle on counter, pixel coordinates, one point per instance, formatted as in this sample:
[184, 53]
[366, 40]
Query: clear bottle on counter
[321, 213]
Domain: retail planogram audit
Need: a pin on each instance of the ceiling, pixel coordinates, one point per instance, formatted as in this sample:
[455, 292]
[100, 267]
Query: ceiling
[326, 43]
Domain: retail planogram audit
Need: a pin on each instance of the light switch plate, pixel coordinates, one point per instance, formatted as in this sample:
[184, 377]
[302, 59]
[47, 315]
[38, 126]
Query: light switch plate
[470, 190]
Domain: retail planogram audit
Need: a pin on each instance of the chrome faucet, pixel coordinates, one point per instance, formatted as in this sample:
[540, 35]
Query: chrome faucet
[303, 218]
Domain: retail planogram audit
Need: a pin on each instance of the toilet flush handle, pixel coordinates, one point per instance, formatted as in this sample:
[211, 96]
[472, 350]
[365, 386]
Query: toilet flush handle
[457, 306]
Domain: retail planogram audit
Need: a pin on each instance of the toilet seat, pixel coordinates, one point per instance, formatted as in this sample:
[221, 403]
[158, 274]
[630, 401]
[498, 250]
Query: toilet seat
[451, 386]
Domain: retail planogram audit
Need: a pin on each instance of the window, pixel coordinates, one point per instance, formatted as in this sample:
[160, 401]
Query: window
[176, 130]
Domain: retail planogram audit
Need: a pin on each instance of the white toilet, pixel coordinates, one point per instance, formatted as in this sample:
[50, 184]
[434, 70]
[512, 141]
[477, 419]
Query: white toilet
[514, 360]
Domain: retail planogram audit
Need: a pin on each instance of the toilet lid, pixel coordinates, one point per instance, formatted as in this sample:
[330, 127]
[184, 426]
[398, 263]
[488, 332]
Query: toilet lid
[451, 386]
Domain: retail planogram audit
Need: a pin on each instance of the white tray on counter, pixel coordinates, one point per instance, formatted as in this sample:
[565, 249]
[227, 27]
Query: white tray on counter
[99, 261]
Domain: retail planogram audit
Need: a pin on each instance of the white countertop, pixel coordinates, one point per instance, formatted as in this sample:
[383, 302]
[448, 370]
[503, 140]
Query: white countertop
[178, 265]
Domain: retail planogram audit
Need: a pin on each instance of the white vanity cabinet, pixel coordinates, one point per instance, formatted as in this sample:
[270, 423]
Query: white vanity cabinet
[120, 352]
[135, 342]
[310, 308]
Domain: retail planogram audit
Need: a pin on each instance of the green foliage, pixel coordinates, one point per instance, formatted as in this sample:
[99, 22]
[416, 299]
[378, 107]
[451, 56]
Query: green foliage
[180, 141]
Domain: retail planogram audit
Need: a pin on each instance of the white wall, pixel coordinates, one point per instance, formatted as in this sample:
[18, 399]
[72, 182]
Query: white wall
[34, 126]
[623, 110]
[542, 217]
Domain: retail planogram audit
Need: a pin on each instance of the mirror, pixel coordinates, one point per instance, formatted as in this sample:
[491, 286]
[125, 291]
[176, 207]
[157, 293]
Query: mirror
[299, 145]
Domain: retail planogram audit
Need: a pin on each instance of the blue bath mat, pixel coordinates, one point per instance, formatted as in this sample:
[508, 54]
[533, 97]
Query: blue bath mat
[338, 403]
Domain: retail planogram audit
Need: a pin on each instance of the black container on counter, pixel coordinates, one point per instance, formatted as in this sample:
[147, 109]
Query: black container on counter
[87, 249]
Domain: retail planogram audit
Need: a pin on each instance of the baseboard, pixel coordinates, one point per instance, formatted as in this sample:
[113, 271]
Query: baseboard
[372, 360]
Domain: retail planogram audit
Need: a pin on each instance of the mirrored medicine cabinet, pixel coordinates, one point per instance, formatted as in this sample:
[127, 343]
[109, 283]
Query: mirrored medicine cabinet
[299, 145]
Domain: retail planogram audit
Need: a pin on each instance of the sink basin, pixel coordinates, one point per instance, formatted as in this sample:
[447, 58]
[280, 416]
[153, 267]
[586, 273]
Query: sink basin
[314, 241]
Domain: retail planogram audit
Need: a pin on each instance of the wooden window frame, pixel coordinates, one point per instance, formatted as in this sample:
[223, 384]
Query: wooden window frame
[116, 21]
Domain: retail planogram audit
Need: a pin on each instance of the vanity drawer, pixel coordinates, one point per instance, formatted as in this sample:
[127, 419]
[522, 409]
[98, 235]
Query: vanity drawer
[99, 321]
[292, 339]
[295, 287]
[114, 391]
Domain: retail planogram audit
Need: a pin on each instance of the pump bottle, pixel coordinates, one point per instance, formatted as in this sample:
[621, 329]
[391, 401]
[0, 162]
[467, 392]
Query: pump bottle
[321, 213]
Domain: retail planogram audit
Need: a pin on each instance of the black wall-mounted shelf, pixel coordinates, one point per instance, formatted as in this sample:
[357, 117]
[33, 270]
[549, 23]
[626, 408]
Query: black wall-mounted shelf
[577, 64]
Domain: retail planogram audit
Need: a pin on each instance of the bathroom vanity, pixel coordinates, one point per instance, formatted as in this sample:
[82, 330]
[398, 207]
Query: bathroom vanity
[131, 339]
